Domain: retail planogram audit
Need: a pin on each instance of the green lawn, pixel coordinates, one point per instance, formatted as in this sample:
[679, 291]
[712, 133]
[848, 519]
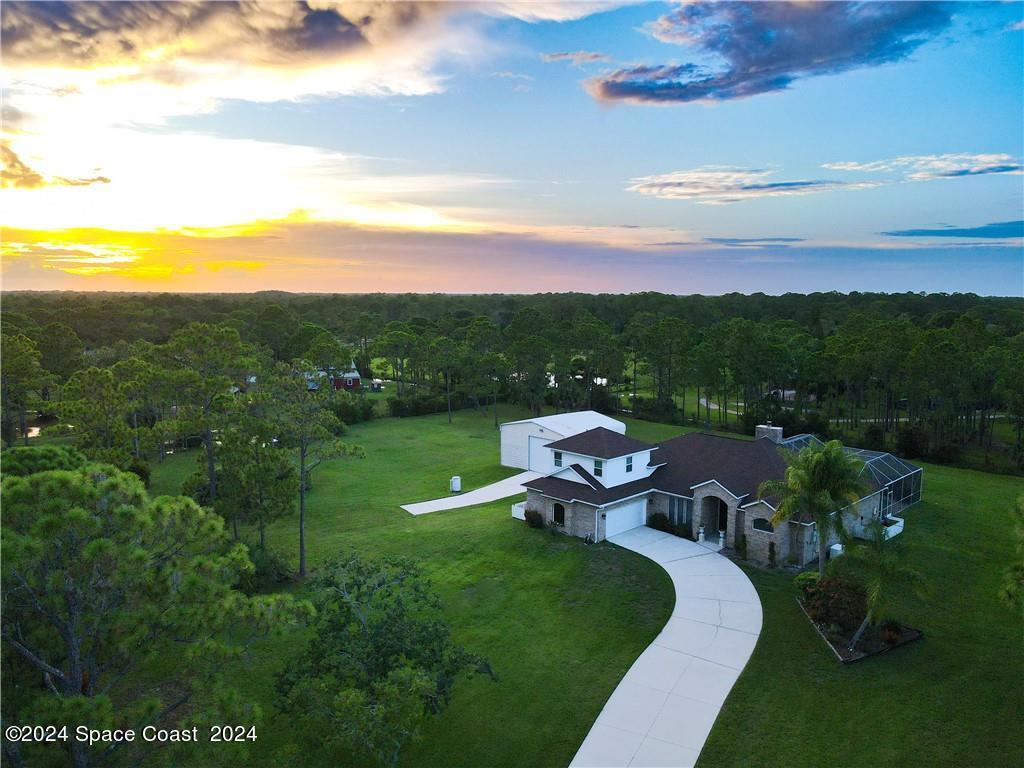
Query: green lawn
[561, 622]
[953, 699]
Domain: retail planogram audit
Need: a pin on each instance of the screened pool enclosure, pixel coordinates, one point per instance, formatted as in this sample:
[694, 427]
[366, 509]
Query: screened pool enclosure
[895, 484]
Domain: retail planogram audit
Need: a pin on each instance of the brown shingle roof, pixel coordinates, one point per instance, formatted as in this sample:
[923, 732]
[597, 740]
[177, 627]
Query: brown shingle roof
[739, 465]
[568, 490]
[689, 460]
[600, 443]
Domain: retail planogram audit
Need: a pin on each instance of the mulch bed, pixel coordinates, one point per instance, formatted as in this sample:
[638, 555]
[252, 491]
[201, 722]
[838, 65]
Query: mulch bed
[871, 642]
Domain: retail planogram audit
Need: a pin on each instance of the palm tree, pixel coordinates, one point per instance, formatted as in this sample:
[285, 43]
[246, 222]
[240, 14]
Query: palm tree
[819, 482]
[879, 567]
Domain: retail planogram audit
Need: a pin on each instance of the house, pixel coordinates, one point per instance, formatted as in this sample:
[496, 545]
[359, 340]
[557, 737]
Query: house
[603, 483]
[349, 380]
[523, 442]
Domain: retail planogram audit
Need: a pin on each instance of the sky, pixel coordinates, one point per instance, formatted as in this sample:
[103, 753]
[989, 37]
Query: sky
[512, 147]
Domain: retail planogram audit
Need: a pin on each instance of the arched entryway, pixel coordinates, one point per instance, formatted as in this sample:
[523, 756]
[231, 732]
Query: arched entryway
[559, 514]
[714, 516]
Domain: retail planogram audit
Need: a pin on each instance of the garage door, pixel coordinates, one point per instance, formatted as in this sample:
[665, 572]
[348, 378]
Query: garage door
[621, 519]
[540, 457]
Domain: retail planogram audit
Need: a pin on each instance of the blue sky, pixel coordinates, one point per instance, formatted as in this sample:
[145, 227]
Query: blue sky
[684, 148]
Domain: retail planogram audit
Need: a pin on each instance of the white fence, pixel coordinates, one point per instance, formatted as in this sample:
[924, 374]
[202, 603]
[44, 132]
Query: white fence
[519, 510]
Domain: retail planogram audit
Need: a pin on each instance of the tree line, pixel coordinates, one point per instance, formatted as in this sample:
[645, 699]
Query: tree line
[928, 375]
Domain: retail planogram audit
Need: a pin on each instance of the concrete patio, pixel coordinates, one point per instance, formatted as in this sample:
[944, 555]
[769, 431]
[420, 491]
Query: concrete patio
[662, 711]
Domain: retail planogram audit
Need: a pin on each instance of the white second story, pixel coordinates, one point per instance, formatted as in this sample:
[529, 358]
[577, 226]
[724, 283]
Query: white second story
[609, 457]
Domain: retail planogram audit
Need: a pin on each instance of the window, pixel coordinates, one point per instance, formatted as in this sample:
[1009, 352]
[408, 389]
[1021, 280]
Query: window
[559, 515]
[761, 524]
[680, 511]
[598, 467]
[629, 463]
[558, 458]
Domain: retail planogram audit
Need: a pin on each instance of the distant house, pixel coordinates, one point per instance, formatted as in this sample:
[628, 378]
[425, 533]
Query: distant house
[523, 443]
[603, 483]
[349, 380]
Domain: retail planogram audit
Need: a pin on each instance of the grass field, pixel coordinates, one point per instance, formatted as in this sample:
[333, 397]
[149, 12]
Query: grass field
[561, 622]
[953, 699]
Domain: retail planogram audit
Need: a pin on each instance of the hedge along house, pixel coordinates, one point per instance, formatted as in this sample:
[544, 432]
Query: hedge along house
[604, 483]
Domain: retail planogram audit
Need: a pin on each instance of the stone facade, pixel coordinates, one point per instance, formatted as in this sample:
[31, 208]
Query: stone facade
[794, 543]
[580, 519]
[705, 512]
[759, 541]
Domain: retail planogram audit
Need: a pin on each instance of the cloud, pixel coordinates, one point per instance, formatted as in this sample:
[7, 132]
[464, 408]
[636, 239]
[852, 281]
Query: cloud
[577, 58]
[182, 180]
[15, 174]
[12, 118]
[754, 242]
[996, 230]
[766, 46]
[103, 33]
[928, 167]
[550, 10]
[716, 184]
[142, 62]
[512, 75]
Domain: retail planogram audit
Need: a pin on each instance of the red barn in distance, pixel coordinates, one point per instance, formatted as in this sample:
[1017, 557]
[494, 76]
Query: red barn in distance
[349, 380]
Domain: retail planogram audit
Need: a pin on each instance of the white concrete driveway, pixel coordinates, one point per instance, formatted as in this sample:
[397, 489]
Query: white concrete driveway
[662, 711]
[510, 486]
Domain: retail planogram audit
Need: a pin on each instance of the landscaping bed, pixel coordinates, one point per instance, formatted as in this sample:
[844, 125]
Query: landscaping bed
[874, 641]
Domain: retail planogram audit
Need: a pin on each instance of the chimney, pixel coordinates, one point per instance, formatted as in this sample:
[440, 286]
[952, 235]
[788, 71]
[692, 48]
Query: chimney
[767, 430]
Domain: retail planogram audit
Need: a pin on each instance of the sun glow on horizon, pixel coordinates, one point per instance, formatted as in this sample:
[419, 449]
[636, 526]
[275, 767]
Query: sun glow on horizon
[431, 146]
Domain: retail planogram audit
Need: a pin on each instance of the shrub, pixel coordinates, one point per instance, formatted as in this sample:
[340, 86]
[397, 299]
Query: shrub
[351, 409]
[603, 400]
[741, 547]
[656, 410]
[533, 518]
[57, 430]
[771, 554]
[835, 601]
[769, 409]
[911, 442]
[947, 453]
[659, 521]
[873, 438]
[30, 459]
[554, 528]
[806, 580]
[892, 632]
[421, 405]
[140, 467]
[271, 569]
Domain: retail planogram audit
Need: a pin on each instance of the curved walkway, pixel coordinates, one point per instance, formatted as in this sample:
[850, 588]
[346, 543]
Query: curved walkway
[510, 486]
[662, 710]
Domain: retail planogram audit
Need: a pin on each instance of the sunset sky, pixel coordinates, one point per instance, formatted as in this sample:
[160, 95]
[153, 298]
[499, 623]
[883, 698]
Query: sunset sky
[513, 147]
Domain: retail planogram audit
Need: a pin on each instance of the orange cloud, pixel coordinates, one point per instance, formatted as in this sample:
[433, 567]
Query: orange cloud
[15, 174]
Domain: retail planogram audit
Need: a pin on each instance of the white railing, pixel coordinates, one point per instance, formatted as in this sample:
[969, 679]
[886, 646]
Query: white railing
[519, 510]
